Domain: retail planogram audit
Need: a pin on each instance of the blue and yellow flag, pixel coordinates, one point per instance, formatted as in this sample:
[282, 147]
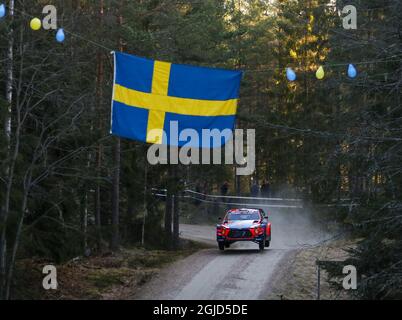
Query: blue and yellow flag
[149, 95]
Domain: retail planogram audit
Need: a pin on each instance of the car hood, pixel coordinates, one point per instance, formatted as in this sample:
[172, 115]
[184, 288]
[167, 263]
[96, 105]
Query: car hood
[240, 224]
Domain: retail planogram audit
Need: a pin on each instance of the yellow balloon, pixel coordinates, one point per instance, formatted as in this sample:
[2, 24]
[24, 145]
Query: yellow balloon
[320, 74]
[35, 24]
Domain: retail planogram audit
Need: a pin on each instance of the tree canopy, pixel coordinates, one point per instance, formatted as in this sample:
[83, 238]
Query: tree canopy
[328, 140]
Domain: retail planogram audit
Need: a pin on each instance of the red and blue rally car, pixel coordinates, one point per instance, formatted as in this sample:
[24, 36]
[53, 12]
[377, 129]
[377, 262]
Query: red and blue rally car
[244, 225]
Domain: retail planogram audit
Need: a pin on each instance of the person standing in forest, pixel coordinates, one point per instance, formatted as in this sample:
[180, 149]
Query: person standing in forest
[255, 189]
[265, 189]
[224, 189]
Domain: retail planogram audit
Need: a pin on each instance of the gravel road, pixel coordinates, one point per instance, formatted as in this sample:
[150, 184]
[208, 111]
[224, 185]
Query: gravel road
[241, 272]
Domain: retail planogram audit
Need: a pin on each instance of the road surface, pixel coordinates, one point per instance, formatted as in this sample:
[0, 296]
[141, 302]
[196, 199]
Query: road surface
[240, 273]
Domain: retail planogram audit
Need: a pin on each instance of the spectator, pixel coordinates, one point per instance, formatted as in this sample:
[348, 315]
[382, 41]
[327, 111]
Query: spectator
[255, 189]
[225, 188]
[265, 189]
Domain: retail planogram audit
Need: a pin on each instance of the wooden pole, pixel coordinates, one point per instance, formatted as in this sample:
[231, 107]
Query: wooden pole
[168, 208]
[99, 97]
[176, 222]
[145, 206]
[115, 242]
[318, 280]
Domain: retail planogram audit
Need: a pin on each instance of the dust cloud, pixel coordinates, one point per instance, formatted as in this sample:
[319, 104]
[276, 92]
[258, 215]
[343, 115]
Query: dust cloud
[294, 228]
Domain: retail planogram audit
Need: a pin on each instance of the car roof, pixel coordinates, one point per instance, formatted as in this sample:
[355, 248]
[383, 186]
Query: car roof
[244, 210]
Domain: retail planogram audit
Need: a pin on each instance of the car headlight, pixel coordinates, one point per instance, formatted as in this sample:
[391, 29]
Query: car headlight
[223, 231]
[258, 230]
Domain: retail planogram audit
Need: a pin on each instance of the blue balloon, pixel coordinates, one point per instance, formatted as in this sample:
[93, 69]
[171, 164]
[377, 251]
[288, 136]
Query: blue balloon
[2, 10]
[60, 35]
[352, 72]
[290, 74]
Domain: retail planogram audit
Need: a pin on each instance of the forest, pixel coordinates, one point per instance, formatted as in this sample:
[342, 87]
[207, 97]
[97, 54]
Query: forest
[70, 188]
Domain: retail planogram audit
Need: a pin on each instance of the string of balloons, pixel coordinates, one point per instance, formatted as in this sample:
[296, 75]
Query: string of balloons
[320, 73]
[36, 24]
[352, 72]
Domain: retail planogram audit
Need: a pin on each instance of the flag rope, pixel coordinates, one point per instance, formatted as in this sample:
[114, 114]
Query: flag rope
[393, 58]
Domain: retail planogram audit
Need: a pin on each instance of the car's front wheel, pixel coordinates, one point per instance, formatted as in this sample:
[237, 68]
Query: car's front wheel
[267, 243]
[221, 246]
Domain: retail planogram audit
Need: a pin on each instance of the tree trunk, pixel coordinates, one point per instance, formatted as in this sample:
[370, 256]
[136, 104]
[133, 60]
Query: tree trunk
[168, 218]
[176, 214]
[168, 209]
[84, 217]
[98, 221]
[10, 74]
[115, 242]
[99, 97]
[237, 180]
[145, 205]
[3, 248]
[17, 239]
[5, 208]
[116, 174]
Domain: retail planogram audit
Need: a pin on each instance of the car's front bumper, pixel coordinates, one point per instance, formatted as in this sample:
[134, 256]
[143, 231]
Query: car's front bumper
[258, 238]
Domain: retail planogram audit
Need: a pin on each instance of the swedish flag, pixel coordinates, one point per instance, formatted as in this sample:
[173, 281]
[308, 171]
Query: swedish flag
[148, 95]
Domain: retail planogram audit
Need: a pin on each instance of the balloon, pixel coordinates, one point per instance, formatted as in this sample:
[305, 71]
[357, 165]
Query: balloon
[352, 72]
[35, 24]
[2, 10]
[320, 74]
[60, 35]
[290, 74]
[293, 53]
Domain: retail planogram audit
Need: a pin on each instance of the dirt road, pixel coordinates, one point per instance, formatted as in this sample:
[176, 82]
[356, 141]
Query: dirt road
[241, 272]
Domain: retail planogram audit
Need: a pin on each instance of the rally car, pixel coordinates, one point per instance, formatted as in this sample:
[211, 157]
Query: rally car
[244, 225]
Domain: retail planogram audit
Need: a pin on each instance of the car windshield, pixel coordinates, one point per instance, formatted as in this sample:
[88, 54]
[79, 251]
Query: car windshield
[243, 216]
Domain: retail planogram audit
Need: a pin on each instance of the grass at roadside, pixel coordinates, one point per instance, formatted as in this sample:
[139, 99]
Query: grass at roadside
[111, 276]
[297, 279]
